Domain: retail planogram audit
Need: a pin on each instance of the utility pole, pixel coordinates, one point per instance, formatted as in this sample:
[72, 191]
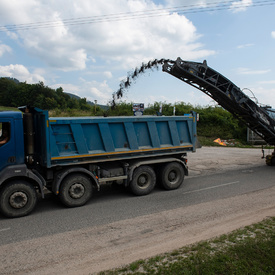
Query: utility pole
[95, 105]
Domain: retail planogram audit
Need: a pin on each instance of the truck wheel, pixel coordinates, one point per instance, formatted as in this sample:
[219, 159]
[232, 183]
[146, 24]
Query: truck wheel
[144, 181]
[17, 199]
[172, 176]
[75, 190]
[270, 160]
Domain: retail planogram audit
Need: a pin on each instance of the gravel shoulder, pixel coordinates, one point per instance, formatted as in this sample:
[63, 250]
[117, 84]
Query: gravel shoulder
[98, 248]
[207, 160]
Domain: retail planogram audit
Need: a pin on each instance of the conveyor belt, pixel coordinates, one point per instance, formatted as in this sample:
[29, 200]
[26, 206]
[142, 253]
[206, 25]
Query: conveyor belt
[226, 93]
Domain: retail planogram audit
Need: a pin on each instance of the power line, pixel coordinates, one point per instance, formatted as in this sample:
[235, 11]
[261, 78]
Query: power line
[131, 15]
[187, 9]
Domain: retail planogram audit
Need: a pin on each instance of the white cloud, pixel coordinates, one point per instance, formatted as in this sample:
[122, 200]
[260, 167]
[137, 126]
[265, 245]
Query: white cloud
[264, 95]
[21, 73]
[12, 35]
[108, 74]
[247, 71]
[234, 6]
[56, 48]
[4, 49]
[245, 46]
[91, 90]
[272, 82]
[96, 93]
[68, 88]
[96, 90]
[273, 34]
[177, 3]
[242, 5]
[126, 43]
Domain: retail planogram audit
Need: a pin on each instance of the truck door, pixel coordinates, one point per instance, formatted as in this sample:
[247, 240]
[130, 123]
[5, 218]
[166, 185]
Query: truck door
[7, 143]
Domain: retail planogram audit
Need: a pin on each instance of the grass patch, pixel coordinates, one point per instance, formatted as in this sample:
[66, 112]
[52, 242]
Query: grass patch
[70, 113]
[249, 250]
[3, 108]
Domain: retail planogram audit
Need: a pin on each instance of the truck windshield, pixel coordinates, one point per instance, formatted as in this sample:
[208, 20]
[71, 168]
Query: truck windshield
[4, 132]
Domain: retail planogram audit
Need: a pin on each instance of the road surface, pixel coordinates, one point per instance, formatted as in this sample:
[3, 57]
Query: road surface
[227, 188]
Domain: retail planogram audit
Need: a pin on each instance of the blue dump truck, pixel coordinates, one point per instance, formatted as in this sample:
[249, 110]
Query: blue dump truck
[72, 157]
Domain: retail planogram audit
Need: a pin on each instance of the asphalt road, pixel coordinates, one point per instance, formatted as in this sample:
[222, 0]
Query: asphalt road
[113, 204]
[227, 188]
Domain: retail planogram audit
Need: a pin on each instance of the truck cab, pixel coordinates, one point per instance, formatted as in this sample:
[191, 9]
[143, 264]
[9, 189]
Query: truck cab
[18, 183]
[11, 139]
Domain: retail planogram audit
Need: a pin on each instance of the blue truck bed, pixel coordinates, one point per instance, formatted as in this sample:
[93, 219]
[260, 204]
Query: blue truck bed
[96, 139]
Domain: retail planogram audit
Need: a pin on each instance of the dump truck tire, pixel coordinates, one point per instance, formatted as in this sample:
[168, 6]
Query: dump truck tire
[75, 190]
[172, 176]
[17, 199]
[144, 181]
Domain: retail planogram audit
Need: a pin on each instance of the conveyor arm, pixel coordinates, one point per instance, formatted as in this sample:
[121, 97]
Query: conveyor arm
[226, 93]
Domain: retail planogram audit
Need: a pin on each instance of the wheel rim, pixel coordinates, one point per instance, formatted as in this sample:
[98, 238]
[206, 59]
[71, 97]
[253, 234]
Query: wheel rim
[172, 177]
[143, 181]
[18, 200]
[76, 191]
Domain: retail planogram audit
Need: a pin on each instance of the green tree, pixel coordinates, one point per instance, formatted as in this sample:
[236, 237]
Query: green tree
[7, 91]
[121, 109]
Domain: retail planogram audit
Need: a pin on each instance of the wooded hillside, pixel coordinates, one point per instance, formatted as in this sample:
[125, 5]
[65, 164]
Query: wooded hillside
[14, 93]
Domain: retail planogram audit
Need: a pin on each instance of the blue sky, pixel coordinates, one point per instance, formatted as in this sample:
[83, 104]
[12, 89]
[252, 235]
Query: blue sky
[237, 38]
